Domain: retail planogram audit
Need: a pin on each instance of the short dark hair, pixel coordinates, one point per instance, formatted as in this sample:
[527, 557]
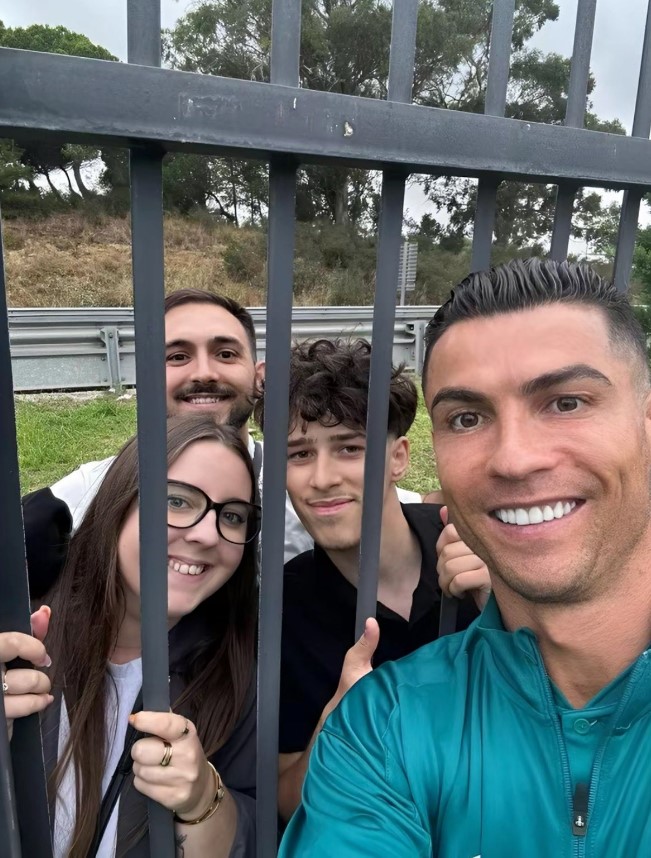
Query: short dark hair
[328, 383]
[200, 296]
[523, 284]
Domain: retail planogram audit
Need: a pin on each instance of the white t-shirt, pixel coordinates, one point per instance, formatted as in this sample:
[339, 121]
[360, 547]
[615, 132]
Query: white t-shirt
[79, 488]
[126, 682]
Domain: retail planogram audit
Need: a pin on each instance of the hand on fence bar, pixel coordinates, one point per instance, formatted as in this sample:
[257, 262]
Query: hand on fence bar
[170, 767]
[357, 663]
[460, 571]
[25, 691]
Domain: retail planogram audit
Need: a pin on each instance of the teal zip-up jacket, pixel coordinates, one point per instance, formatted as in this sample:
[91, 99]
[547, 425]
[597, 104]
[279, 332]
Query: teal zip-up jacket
[465, 750]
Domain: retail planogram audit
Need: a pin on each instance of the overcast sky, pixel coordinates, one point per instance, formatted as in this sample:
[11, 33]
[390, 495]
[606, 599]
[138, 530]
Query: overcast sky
[617, 46]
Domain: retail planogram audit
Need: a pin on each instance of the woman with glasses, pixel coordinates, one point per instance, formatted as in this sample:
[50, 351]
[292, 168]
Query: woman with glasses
[199, 759]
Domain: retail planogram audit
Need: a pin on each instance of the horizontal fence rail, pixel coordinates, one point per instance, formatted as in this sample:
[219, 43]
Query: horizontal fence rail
[94, 348]
[187, 112]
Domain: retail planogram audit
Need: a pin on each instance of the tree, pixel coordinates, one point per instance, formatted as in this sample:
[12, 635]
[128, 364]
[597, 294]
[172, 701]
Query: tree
[43, 158]
[232, 38]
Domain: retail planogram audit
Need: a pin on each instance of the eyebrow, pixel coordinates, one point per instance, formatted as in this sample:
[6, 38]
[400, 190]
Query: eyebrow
[215, 341]
[575, 372]
[306, 440]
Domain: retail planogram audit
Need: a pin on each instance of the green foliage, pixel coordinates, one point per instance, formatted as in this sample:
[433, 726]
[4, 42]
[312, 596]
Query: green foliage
[12, 171]
[642, 273]
[244, 257]
[53, 40]
[38, 157]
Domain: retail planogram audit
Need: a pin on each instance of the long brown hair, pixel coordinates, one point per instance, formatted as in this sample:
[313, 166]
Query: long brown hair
[88, 607]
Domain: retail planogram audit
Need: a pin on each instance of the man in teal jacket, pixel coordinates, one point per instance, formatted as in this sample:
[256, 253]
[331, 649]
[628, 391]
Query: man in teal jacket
[528, 735]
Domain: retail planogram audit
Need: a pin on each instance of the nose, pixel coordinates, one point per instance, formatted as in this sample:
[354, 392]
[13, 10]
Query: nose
[324, 474]
[204, 367]
[204, 531]
[521, 447]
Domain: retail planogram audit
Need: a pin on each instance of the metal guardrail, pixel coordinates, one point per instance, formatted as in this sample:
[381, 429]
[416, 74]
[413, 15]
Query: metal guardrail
[93, 348]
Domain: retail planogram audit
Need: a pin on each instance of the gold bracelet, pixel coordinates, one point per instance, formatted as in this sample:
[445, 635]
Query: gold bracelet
[214, 804]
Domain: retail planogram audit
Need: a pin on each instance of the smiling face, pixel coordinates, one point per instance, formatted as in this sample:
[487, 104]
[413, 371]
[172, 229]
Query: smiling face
[541, 433]
[208, 364]
[325, 480]
[199, 560]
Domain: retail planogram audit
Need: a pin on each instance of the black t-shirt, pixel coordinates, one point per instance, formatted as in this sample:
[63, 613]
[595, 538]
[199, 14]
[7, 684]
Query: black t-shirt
[319, 626]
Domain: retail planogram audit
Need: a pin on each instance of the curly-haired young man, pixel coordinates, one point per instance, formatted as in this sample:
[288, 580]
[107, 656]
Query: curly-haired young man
[328, 398]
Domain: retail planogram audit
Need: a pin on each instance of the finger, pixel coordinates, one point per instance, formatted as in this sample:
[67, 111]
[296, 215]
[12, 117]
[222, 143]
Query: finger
[166, 725]
[462, 584]
[17, 645]
[25, 681]
[456, 550]
[25, 704]
[448, 536]
[149, 751]
[451, 568]
[162, 776]
[444, 515]
[40, 622]
[171, 797]
[363, 650]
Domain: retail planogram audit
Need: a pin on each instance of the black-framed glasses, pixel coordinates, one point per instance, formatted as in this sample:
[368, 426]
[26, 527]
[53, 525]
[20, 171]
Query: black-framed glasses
[237, 521]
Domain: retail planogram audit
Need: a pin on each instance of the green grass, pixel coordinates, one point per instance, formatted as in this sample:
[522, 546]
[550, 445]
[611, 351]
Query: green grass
[55, 436]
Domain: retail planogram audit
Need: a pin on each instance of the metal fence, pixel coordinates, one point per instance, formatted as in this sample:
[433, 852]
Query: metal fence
[151, 111]
[94, 348]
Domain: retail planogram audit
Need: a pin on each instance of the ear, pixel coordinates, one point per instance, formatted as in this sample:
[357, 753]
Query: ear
[398, 463]
[647, 417]
[260, 371]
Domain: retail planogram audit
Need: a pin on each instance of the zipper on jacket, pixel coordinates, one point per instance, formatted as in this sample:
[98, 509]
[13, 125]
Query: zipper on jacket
[579, 845]
[580, 810]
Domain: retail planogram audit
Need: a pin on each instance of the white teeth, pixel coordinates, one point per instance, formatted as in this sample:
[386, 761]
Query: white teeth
[521, 516]
[535, 514]
[186, 568]
[205, 400]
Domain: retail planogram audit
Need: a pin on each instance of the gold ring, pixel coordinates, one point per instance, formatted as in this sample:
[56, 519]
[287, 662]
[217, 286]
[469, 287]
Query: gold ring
[167, 756]
[5, 687]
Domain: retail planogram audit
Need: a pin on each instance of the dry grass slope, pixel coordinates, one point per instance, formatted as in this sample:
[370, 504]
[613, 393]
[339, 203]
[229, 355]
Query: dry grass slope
[72, 260]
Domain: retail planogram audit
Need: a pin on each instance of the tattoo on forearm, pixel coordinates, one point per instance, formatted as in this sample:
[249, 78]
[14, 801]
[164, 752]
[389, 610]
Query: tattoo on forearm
[180, 840]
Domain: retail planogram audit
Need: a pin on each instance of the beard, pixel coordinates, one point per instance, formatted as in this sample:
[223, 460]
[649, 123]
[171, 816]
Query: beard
[239, 405]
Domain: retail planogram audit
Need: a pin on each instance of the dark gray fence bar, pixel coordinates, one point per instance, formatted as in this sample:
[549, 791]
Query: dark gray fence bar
[285, 42]
[499, 59]
[388, 261]
[401, 58]
[631, 204]
[282, 204]
[148, 294]
[562, 221]
[284, 70]
[24, 816]
[403, 50]
[580, 68]
[82, 99]
[574, 117]
[494, 105]
[482, 241]
[12, 608]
